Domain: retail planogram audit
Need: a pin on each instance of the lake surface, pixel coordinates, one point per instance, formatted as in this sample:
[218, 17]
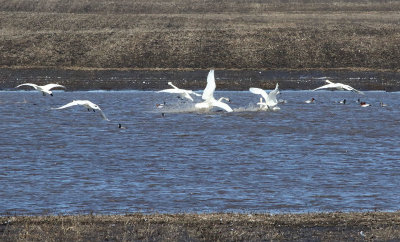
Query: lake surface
[303, 158]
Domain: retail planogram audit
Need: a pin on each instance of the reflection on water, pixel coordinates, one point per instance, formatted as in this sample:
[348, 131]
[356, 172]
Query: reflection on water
[306, 157]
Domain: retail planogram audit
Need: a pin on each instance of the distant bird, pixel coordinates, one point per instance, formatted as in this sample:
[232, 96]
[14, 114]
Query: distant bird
[86, 103]
[208, 96]
[182, 92]
[121, 127]
[160, 105]
[364, 104]
[270, 99]
[383, 104]
[310, 101]
[342, 101]
[44, 89]
[337, 86]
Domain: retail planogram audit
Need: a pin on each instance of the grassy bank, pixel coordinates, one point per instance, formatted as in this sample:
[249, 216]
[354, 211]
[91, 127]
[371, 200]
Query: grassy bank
[203, 227]
[205, 34]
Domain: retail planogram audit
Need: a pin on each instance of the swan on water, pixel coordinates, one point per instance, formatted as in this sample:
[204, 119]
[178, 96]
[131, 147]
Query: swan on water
[182, 92]
[208, 96]
[86, 103]
[337, 86]
[44, 89]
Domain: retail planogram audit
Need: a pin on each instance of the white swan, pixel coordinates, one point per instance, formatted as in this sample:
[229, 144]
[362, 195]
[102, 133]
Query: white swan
[182, 92]
[86, 103]
[270, 99]
[44, 89]
[208, 96]
[338, 86]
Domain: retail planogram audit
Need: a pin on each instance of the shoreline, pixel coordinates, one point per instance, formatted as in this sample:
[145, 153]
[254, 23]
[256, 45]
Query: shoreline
[209, 227]
[227, 79]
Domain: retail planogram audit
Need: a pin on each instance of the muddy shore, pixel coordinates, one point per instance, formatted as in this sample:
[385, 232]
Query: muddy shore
[196, 79]
[376, 226]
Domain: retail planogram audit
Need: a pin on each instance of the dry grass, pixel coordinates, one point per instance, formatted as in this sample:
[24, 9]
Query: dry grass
[204, 227]
[206, 34]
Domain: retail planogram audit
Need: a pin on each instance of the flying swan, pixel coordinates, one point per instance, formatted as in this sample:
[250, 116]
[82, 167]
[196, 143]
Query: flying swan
[44, 89]
[337, 86]
[270, 99]
[208, 96]
[182, 92]
[86, 103]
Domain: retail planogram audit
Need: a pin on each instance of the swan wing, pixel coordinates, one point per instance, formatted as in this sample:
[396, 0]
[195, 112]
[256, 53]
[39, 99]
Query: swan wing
[223, 106]
[28, 84]
[329, 82]
[272, 96]
[349, 88]
[73, 103]
[259, 91]
[173, 90]
[186, 95]
[327, 86]
[196, 94]
[103, 115]
[210, 88]
[52, 85]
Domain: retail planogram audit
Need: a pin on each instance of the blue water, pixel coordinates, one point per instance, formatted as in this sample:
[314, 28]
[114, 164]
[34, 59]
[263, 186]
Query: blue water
[303, 158]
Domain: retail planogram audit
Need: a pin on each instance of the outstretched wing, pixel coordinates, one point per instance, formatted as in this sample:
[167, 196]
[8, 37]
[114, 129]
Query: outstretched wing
[223, 106]
[28, 84]
[52, 85]
[349, 88]
[103, 115]
[73, 103]
[259, 91]
[192, 92]
[272, 96]
[210, 88]
[172, 90]
[327, 86]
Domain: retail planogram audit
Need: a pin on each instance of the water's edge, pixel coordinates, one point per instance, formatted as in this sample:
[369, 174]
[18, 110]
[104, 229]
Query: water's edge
[196, 79]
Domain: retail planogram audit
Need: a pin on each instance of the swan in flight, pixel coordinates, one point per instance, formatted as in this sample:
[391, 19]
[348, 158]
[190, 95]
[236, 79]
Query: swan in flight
[270, 100]
[208, 96]
[182, 92]
[337, 86]
[86, 103]
[44, 89]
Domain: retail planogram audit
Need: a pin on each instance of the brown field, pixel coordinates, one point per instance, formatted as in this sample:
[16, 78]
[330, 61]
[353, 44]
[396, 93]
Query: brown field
[234, 34]
[377, 226]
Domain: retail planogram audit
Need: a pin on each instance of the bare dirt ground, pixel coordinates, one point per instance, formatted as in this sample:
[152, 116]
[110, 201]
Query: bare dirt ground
[373, 226]
[234, 34]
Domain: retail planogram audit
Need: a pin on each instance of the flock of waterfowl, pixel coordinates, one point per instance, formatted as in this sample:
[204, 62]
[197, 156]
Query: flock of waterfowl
[268, 101]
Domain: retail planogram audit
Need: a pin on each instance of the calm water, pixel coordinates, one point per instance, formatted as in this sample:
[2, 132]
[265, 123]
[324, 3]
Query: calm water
[303, 158]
